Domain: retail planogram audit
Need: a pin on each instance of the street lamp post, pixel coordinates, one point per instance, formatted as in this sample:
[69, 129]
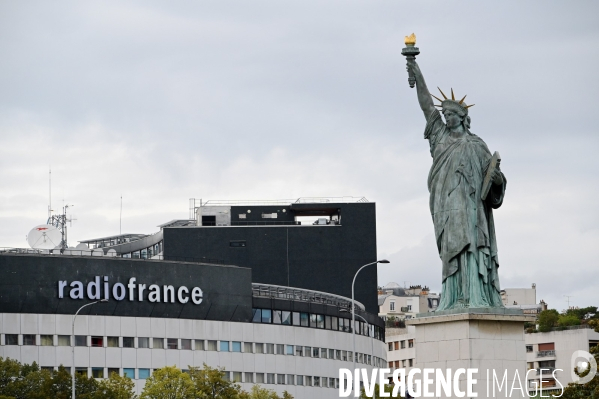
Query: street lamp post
[353, 310]
[73, 345]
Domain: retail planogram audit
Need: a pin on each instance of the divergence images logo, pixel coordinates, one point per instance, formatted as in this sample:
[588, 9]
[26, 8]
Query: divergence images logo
[430, 383]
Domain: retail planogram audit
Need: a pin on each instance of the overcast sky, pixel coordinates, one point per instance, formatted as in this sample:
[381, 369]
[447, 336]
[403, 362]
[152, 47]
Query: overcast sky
[165, 101]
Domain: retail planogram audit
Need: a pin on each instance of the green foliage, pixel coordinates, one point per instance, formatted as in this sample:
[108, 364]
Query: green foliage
[590, 312]
[210, 383]
[27, 381]
[115, 387]
[595, 324]
[548, 319]
[169, 383]
[566, 320]
[387, 388]
[262, 393]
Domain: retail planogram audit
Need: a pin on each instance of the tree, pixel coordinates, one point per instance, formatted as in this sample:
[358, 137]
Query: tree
[169, 383]
[548, 319]
[115, 387]
[566, 320]
[259, 393]
[590, 312]
[387, 388]
[210, 383]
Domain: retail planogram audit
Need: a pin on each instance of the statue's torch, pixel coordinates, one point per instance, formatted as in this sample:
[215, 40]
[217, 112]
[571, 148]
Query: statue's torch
[410, 52]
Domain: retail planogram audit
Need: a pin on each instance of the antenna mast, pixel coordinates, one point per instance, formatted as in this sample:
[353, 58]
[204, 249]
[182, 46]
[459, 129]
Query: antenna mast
[50, 192]
[121, 216]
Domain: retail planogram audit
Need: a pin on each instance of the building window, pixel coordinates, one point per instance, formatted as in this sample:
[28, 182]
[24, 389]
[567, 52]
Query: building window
[281, 379]
[129, 373]
[97, 342]
[81, 340]
[304, 319]
[259, 348]
[392, 306]
[270, 378]
[289, 350]
[143, 342]
[186, 344]
[236, 376]
[299, 351]
[299, 380]
[307, 351]
[81, 371]
[528, 348]
[290, 379]
[248, 377]
[224, 346]
[410, 362]
[128, 342]
[29, 339]
[157, 343]
[259, 378]
[390, 365]
[11, 339]
[64, 340]
[308, 381]
[334, 323]
[257, 315]
[209, 220]
[316, 381]
[200, 345]
[323, 353]
[112, 342]
[112, 370]
[280, 349]
[270, 349]
[144, 374]
[172, 343]
[403, 344]
[235, 346]
[331, 353]
[266, 316]
[410, 343]
[212, 346]
[247, 347]
[98, 372]
[46, 340]
[286, 318]
[396, 344]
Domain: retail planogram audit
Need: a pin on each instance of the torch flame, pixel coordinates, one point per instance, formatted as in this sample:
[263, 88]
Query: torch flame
[410, 40]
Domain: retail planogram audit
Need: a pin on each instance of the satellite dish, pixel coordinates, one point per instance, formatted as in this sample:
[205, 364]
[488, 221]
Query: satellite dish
[44, 236]
[82, 246]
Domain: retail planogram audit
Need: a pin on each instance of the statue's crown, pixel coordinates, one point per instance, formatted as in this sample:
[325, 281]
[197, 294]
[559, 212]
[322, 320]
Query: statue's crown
[458, 106]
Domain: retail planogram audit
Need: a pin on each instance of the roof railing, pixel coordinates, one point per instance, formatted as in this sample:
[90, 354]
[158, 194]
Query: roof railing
[303, 295]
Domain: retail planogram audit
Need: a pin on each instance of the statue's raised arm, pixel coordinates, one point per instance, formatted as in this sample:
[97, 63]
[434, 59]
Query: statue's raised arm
[424, 96]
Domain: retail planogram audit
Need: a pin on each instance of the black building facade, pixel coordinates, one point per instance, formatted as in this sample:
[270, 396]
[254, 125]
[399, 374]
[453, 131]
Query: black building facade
[269, 240]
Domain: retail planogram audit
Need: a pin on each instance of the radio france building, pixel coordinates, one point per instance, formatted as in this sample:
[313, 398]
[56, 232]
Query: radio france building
[250, 287]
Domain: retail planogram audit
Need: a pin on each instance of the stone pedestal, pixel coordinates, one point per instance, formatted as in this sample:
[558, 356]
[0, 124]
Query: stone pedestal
[490, 340]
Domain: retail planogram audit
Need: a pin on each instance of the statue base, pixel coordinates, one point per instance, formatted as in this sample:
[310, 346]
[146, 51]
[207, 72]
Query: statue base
[488, 339]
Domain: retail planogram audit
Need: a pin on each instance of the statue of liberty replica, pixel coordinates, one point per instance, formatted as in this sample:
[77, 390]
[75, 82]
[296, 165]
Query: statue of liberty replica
[465, 185]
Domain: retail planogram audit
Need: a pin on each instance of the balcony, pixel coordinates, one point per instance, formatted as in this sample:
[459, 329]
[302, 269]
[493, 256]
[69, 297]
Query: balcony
[547, 371]
[546, 353]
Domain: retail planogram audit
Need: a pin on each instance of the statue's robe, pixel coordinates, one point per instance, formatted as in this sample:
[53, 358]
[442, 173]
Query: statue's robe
[463, 222]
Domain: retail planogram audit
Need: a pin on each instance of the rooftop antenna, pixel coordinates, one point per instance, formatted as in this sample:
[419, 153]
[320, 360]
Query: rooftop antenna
[568, 300]
[50, 192]
[121, 216]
